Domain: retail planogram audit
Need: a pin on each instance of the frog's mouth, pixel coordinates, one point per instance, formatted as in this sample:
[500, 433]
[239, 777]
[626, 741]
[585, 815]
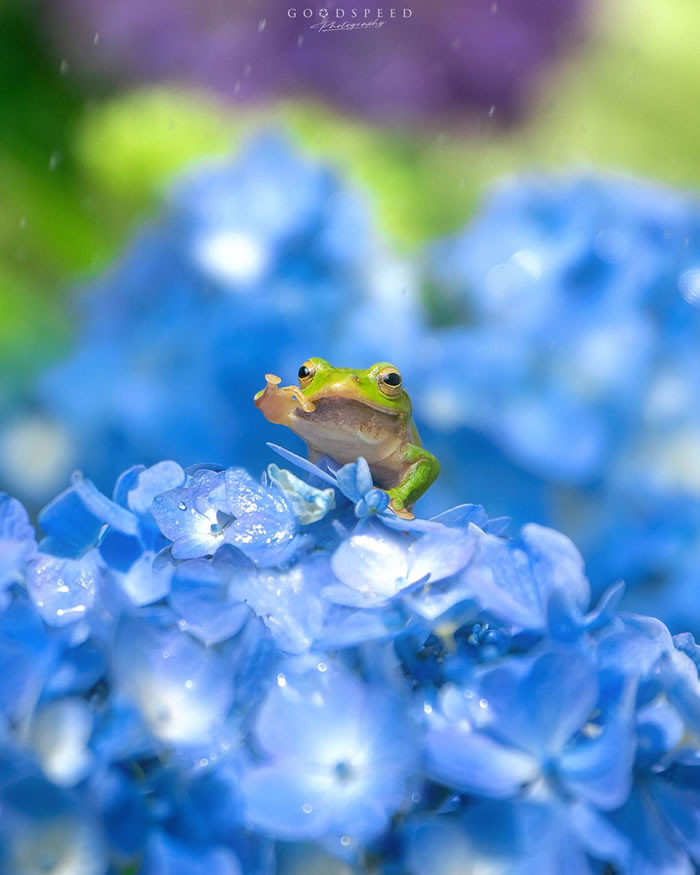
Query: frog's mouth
[334, 408]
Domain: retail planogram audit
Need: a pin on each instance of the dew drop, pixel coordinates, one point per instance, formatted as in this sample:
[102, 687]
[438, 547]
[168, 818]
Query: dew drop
[483, 703]
[306, 808]
[281, 680]
[54, 160]
[182, 505]
[204, 762]
[415, 798]
[428, 708]
[64, 67]
[322, 666]
[345, 841]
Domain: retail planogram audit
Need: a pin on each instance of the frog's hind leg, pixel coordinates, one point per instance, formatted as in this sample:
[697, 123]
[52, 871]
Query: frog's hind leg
[423, 469]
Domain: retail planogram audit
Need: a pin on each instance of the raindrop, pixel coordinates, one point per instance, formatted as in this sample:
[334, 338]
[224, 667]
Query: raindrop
[306, 808]
[261, 25]
[204, 762]
[182, 505]
[64, 67]
[428, 708]
[322, 666]
[281, 680]
[23, 222]
[96, 39]
[483, 703]
[54, 160]
[188, 684]
[415, 798]
[345, 841]
[300, 42]
[492, 109]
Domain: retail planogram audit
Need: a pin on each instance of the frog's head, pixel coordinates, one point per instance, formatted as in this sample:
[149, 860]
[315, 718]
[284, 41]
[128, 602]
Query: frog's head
[337, 394]
[379, 387]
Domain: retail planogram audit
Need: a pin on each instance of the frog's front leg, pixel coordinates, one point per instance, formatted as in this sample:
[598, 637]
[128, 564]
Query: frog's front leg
[423, 469]
[278, 402]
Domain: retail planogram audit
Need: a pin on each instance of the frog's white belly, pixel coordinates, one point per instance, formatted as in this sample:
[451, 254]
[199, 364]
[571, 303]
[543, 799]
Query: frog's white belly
[345, 430]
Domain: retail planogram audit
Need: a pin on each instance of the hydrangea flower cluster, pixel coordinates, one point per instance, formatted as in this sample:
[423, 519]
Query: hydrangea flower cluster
[554, 371]
[212, 673]
[253, 263]
[572, 343]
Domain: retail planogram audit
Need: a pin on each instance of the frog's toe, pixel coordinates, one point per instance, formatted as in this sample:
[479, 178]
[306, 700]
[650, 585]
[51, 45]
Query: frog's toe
[402, 512]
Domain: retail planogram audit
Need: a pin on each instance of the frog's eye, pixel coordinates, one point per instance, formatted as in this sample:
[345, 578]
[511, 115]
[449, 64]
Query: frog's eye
[306, 374]
[389, 381]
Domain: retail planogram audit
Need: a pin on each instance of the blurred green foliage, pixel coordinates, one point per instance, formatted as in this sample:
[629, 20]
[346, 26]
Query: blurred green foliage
[77, 172]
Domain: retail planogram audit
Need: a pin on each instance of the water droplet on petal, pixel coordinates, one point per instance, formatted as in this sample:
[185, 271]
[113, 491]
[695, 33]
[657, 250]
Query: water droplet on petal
[182, 505]
[306, 808]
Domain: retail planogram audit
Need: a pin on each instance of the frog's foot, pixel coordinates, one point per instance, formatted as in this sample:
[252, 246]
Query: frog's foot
[278, 402]
[402, 512]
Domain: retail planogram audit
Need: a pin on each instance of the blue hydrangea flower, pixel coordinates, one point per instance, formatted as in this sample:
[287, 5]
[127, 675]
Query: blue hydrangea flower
[372, 569]
[339, 754]
[182, 691]
[533, 722]
[227, 507]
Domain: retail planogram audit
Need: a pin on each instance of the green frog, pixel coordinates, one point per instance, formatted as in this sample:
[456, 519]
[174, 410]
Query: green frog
[345, 413]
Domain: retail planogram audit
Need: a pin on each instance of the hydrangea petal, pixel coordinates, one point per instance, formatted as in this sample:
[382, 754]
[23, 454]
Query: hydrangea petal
[370, 564]
[17, 539]
[63, 590]
[474, 763]
[151, 482]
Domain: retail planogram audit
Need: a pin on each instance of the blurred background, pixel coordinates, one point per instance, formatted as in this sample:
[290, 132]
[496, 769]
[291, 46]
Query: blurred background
[500, 196]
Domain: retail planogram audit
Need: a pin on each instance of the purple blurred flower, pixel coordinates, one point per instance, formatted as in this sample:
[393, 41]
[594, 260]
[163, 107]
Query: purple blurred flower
[442, 58]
